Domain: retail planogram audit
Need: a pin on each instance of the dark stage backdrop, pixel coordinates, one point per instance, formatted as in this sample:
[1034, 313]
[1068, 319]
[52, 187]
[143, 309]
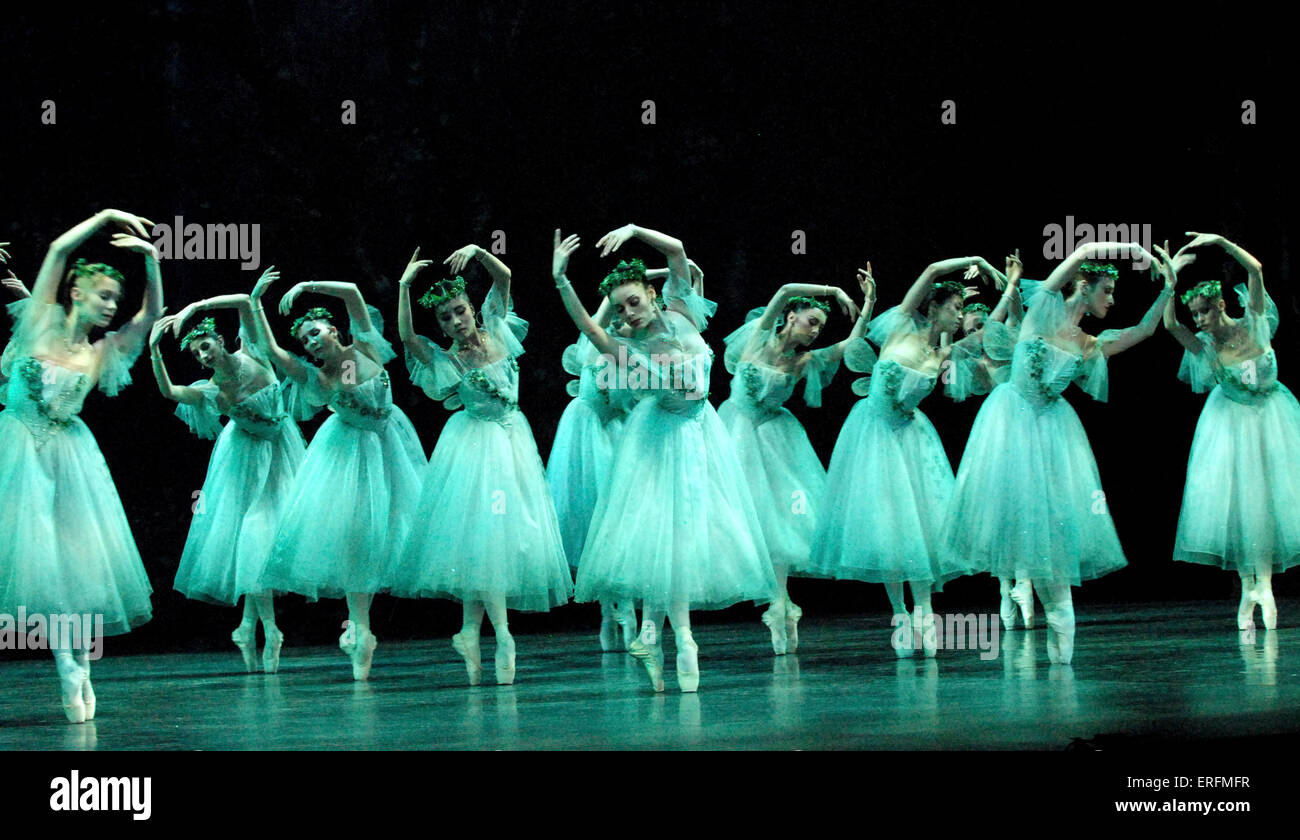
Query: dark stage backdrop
[471, 119]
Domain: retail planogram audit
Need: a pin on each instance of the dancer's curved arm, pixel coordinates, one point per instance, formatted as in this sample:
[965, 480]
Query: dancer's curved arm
[179, 393]
[15, 286]
[1067, 268]
[1008, 308]
[564, 248]
[346, 292]
[136, 331]
[1254, 270]
[661, 242]
[867, 283]
[1147, 326]
[790, 290]
[288, 364]
[405, 325]
[1175, 327]
[46, 287]
[500, 273]
[697, 275]
[933, 271]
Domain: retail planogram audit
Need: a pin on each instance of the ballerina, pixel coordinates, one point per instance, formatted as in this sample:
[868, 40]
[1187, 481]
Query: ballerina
[768, 357]
[889, 476]
[250, 474]
[486, 532]
[1243, 474]
[68, 551]
[353, 499]
[675, 526]
[1028, 460]
[583, 451]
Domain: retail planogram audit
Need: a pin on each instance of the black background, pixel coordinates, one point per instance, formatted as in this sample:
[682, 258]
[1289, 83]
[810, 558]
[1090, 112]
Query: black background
[473, 118]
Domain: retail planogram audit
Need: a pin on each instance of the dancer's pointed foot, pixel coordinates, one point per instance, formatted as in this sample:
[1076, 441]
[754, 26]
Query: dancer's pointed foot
[646, 649]
[929, 644]
[1007, 611]
[271, 651]
[608, 634]
[792, 615]
[688, 662]
[505, 659]
[625, 615]
[774, 618]
[245, 638]
[1246, 609]
[1023, 594]
[466, 643]
[1267, 607]
[363, 654]
[72, 682]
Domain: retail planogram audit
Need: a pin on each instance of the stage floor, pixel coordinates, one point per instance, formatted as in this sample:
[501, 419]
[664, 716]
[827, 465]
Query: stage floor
[1146, 676]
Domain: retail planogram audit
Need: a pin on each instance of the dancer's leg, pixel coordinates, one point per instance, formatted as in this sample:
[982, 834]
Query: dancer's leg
[1023, 594]
[648, 648]
[1059, 608]
[245, 635]
[625, 614]
[1246, 609]
[1006, 606]
[505, 656]
[361, 646]
[688, 661]
[775, 617]
[895, 593]
[265, 604]
[71, 680]
[466, 642]
[1264, 593]
[608, 626]
[924, 616]
[82, 658]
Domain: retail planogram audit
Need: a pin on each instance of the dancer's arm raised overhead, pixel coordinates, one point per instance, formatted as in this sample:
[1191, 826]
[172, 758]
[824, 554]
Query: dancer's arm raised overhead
[351, 297]
[921, 288]
[179, 393]
[405, 325]
[564, 248]
[1146, 328]
[671, 248]
[1008, 308]
[46, 288]
[867, 283]
[1254, 270]
[289, 364]
[500, 273]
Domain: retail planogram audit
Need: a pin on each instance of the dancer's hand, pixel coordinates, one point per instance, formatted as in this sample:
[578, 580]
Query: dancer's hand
[263, 283]
[136, 244]
[13, 284]
[161, 326]
[969, 292]
[697, 273]
[560, 257]
[460, 258]
[286, 302]
[4, 255]
[1200, 240]
[178, 320]
[1015, 268]
[416, 265]
[847, 306]
[980, 268]
[1166, 267]
[131, 222]
[612, 241]
[867, 283]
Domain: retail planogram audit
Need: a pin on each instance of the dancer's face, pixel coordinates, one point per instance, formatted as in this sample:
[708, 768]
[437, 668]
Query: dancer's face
[634, 304]
[946, 314]
[972, 322]
[805, 325]
[206, 349]
[320, 339]
[95, 299]
[1207, 314]
[1099, 297]
[456, 317]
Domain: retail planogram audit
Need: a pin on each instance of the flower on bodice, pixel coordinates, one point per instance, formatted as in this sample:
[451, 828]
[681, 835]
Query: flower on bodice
[479, 380]
[348, 400]
[33, 373]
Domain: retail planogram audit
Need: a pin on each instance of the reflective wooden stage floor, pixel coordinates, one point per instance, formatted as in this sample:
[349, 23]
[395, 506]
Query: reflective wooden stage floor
[1147, 676]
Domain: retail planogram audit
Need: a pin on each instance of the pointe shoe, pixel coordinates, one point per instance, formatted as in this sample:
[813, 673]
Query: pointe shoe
[929, 644]
[87, 690]
[608, 634]
[466, 644]
[1023, 594]
[1007, 611]
[505, 659]
[647, 650]
[245, 638]
[775, 618]
[271, 651]
[1060, 636]
[625, 615]
[363, 655]
[1246, 610]
[72, 681]
[348, 641]
[1267, 608]
[792, 616]
[688, 663]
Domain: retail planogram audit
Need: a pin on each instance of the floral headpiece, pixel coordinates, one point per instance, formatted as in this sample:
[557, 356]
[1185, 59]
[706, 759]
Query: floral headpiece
[624, 272]
[795, 304]
[207, 326]
[946, 288]
[319, 313]
[1211, 289]
[1099, 269]
[81, 268]
[976, 307]
[443, 291]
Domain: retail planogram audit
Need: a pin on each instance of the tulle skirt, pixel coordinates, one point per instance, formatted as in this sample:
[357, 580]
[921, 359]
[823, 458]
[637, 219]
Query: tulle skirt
[578, 467]
[1241, 502]
[785, 477]
[65, 545]
[237, 513]
[1028, 501]
[485, 526]
[886, 491]
[676, 524]
[349, 512]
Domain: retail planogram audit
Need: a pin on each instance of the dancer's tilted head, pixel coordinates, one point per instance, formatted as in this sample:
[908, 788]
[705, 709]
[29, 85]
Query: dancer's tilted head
[318, 334]
[1205, 300]
[448, 300]
[91, 291]
[942, 306]
[205, 344]
[973, 317]
[803, 319]
[1095, 284]
[631, 296]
